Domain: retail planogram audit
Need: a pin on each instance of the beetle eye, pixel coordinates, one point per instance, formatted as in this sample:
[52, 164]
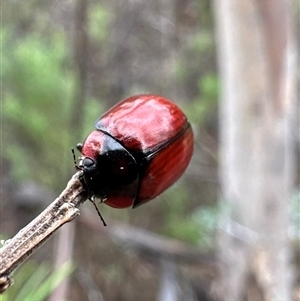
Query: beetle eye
[88, 163]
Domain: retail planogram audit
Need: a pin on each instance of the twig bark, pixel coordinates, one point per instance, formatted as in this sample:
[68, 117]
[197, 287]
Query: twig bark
[26, 241]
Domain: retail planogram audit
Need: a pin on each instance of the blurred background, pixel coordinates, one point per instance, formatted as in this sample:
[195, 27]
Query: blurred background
[66, 62]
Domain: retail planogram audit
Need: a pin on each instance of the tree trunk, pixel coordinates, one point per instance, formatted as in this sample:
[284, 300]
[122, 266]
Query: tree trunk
[257, 60]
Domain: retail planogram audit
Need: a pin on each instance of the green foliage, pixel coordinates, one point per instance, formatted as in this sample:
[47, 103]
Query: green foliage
[38, 90]
[206, 101]
[99, 18]
[199, 79]
[198, 228]
[92, 112]
[294, 212]
[37, 97]
[35, 282]
[207, 219]
[199, 47]
[201, 42]
[184, 229]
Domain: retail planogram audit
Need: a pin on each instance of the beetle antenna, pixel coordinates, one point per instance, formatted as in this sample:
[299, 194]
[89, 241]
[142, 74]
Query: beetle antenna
[75, 160]
[98, 211]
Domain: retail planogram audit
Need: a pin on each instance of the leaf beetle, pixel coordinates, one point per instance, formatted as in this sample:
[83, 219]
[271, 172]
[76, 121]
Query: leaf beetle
[140, 147]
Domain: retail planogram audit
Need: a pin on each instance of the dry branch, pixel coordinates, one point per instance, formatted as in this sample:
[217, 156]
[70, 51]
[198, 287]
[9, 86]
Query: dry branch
[64, 209]
[26, 241]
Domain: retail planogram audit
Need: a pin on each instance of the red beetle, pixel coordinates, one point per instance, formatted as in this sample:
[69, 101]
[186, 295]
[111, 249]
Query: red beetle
[140, 147]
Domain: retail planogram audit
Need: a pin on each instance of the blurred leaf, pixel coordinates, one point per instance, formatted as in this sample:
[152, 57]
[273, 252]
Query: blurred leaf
[37, 98]
[52, 281]
[199, 228]
[206, 102]
[34, 282]
[99, 18]
[207, 220]
[201, 42]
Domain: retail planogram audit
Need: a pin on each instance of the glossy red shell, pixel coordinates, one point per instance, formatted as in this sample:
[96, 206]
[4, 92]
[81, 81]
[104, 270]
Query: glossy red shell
[143, 122]
[154, 130]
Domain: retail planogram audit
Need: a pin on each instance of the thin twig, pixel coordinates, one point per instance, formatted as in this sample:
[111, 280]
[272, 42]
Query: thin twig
[26, 241]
